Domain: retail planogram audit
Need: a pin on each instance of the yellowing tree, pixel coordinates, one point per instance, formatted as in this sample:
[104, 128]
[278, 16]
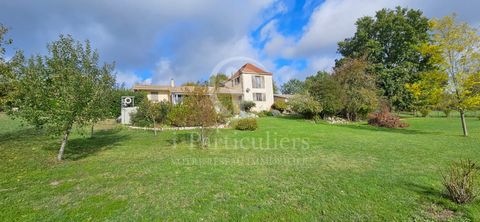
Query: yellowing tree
[455, 49]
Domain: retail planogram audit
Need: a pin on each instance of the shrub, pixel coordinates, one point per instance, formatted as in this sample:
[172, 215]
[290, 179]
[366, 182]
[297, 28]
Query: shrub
[280, 105]
[264, 113]
[227, 103]
[424, 112]
[305, 105]
[150, 113]
[384, 118]
[246, 124]
[461, 181]
[247, 105]
[276, 113]
[178, 116]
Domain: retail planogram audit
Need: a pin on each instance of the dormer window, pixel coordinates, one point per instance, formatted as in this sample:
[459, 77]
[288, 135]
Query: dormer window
[258, 82]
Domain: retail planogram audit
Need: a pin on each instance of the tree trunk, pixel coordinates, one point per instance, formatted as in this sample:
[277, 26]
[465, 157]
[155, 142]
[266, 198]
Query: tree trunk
[464, 124]
[154, 128]
[64, 143]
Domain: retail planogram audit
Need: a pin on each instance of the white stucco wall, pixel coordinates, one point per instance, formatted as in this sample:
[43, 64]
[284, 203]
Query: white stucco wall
[246, 80]
[162, 95]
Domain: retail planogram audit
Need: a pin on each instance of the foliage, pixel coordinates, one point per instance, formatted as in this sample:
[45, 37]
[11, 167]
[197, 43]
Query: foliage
[325, 89]
[217, 80]
[293, 86]
[98, 109]
[305, 105]
[151, 112]
[390, 41]
[59, 90]
[461, 181]
[280, 105]
[455, 53]
[179, 116]
[202, 112]
[383, 118]
[247, 105]
[246, 124]
[359, 95]
[196, 109]
[227, 103]
[5, 70]
[115, 99]
[264, 113]
[275, 87]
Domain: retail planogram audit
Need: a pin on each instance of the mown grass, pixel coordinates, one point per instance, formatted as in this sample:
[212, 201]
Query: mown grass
[289, 169]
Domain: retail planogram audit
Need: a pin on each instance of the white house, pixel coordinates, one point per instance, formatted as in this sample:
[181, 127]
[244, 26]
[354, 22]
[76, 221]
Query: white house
[249, 83]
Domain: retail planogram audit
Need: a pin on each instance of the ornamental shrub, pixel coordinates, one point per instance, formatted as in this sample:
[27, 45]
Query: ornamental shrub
[246, 124]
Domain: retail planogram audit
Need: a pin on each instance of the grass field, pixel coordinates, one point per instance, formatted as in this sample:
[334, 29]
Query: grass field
[289, 169]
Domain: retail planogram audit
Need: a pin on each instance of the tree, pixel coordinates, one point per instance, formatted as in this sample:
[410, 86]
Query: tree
[103, 89]
[155, 112]
[358, 86]
[217, 80]
[305, 105]
[58, 90]
[456, 49]
[275, 87]
[326, 90]
[201, 112]
[390, 42]
[5, 68]
[293, 86]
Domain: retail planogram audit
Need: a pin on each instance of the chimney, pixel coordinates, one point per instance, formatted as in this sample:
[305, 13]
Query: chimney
[172, 82]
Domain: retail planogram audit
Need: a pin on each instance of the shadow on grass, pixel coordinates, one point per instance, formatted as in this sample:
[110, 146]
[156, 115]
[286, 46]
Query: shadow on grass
[21, 134]
[183, 138]
[383, 129]
[79, 148]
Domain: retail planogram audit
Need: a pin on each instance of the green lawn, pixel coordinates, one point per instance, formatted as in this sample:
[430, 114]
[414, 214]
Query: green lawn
[305, 171]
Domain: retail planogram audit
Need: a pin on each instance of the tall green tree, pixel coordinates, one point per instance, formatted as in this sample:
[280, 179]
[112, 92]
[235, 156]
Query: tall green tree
[293, 86]
[360, 94]
[326, 90]
[103, 85]
[58, 91]
[390, 41]
[456, 49]
[5, 68]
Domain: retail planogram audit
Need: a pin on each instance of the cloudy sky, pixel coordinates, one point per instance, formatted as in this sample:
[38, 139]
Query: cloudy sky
[153, 41]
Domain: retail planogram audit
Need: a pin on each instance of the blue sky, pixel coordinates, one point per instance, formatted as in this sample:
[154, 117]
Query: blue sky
[153, 41]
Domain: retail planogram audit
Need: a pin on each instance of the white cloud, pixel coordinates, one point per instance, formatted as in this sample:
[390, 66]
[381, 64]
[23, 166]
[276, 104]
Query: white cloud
[193, 35]
[129, 78]
[334, 20]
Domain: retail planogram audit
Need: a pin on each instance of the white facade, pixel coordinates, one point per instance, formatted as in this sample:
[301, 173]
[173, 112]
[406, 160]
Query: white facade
[262, 95]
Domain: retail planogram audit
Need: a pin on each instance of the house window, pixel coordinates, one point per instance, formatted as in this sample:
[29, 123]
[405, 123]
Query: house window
[258, 82]
[177, 98]
[259, 97]
[154, 96]
[237, 80]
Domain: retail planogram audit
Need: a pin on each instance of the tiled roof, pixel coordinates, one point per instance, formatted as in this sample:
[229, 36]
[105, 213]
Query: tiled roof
[250, 68]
